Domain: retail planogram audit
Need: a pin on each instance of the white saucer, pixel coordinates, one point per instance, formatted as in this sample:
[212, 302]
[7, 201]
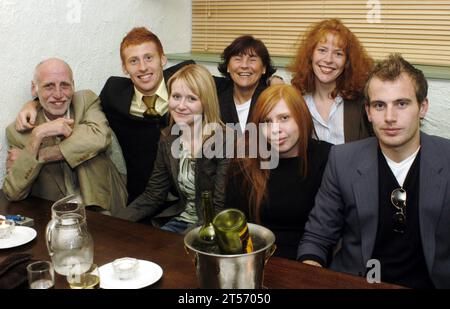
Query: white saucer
[20, 235]
[146, 274]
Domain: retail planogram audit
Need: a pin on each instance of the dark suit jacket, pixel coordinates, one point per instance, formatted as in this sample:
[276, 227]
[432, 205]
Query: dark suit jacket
[228, 111]
[138, 137]
[209, 175]
[346, 207]
[356, 124]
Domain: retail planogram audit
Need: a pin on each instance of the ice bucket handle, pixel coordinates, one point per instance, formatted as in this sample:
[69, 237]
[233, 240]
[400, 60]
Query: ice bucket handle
[194, 260]
[269, 253]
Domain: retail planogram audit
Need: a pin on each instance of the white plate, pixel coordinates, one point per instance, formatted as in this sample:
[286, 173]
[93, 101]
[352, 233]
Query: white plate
[20, 235]
[146, 274]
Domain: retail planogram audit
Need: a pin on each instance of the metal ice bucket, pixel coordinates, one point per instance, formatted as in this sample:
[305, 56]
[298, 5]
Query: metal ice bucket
[237, 271]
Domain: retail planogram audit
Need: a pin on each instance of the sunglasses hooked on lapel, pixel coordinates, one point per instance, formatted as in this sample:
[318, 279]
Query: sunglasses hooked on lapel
[398, 199]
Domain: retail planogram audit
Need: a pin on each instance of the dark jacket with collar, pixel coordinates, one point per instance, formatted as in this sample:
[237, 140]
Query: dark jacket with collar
[209, 175]
[228, 111]
[138, 137]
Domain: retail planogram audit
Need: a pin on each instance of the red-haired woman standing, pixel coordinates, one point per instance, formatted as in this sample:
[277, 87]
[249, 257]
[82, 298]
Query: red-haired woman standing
[330, 69]
[280, 198]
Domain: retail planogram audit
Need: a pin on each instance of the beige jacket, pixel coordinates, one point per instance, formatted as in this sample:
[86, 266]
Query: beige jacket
[84, 150]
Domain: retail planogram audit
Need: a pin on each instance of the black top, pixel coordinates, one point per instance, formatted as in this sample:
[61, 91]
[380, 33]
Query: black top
[138, 137]
[290, 197]
[225, 87]
[401, 255]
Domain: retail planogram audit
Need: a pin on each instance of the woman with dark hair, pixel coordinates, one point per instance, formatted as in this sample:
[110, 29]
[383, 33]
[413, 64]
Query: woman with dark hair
[247, 66]
[280, 198]
[331, 69]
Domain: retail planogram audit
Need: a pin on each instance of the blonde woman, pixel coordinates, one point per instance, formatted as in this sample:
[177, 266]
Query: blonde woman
[180, 164]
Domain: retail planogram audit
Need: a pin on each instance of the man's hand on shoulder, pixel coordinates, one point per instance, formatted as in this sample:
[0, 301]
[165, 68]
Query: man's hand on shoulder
[27, 116]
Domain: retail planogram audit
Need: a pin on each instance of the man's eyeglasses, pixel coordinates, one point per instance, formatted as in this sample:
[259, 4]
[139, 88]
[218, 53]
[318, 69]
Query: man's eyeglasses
[398, 199]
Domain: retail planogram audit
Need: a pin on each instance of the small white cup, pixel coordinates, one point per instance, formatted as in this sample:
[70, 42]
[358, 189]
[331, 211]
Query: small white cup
[125, 268]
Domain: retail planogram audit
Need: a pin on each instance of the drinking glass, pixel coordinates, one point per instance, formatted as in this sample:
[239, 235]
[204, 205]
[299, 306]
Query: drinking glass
[41, 275]
[84, 276]
[6, 228]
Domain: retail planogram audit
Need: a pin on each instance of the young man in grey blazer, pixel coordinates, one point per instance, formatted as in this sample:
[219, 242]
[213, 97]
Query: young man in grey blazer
[387, 198]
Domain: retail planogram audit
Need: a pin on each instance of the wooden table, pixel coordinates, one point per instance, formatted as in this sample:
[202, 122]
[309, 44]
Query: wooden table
[115, 238]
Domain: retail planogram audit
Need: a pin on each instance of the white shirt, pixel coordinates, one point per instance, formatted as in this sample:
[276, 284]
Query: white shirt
[333, 130]
[242, 111]
[401, 169]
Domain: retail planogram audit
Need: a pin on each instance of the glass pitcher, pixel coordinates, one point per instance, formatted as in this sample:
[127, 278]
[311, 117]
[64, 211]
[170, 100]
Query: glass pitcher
[68, 239]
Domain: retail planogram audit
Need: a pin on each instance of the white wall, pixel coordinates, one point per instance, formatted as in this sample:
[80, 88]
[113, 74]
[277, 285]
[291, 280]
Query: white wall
[437, 121]
[85, 33]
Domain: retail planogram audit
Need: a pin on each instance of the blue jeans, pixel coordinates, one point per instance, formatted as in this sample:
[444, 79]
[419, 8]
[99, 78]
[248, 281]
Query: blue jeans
[175, 226]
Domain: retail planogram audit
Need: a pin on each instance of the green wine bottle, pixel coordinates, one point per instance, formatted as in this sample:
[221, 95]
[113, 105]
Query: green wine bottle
[232, 232]
[206, 232]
